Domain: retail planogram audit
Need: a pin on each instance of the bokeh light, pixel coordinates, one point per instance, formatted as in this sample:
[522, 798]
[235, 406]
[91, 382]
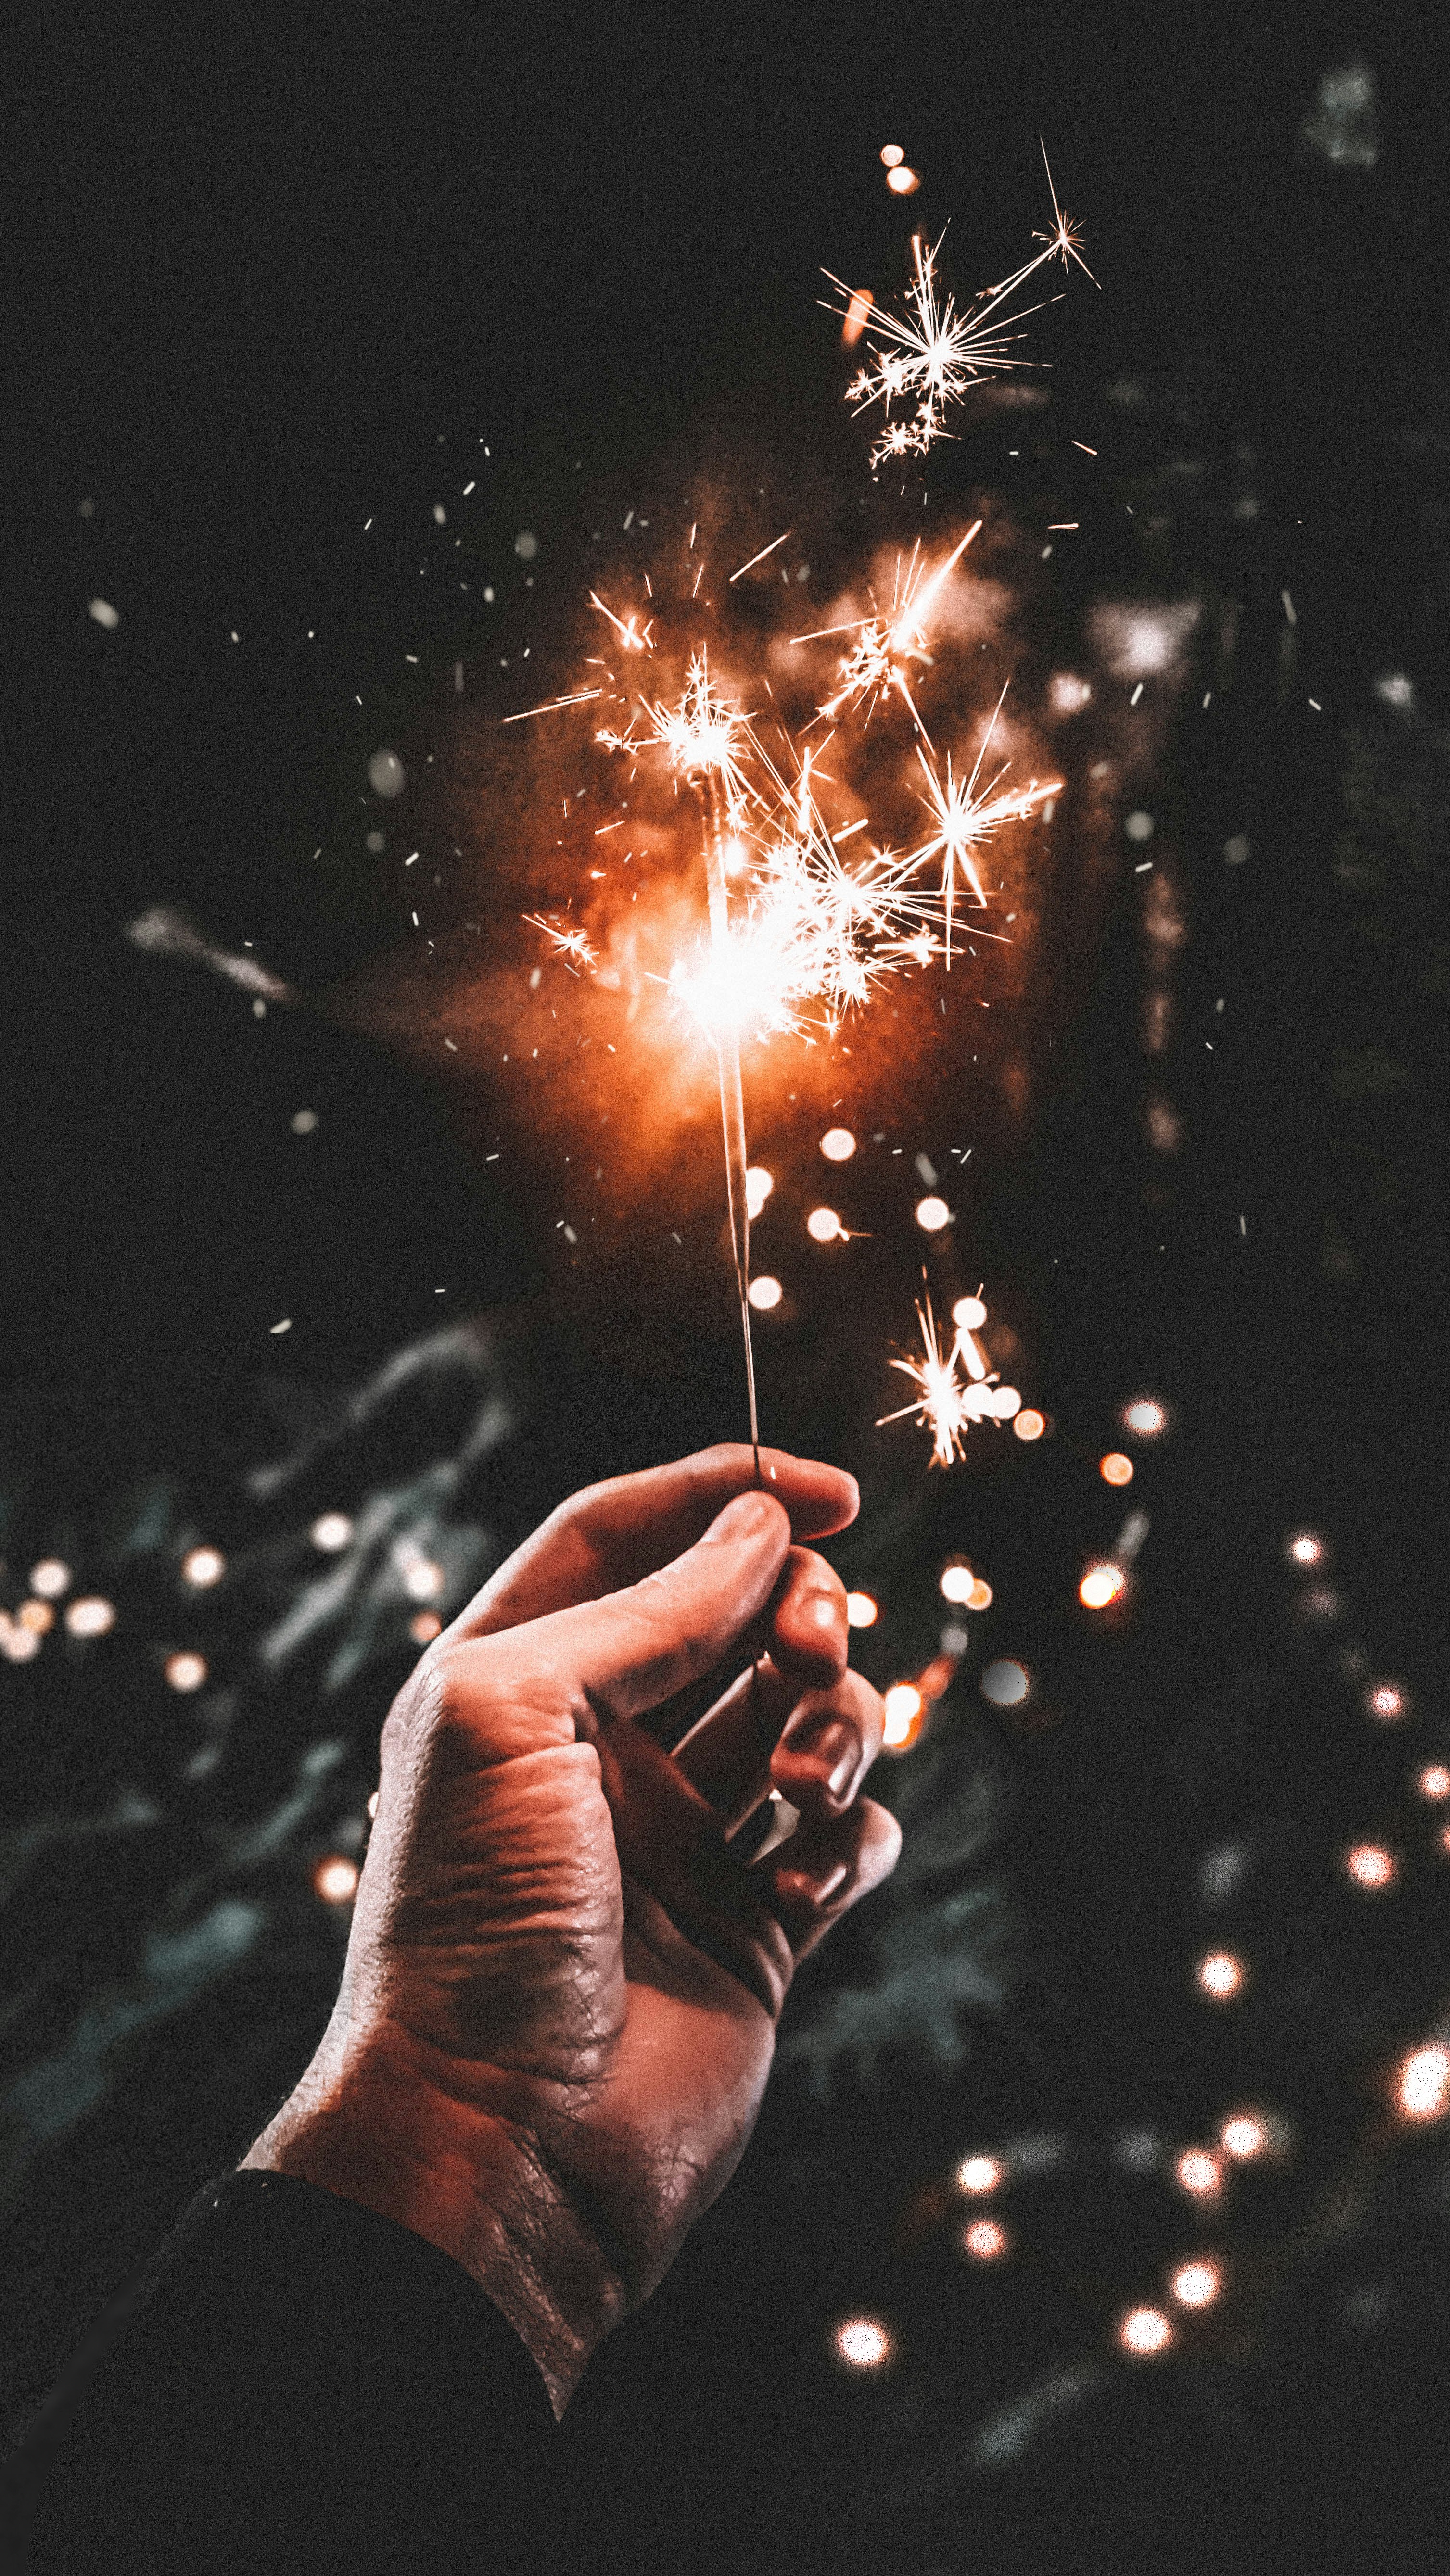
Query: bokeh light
[978, 2174]
[1196, 2285]
[1306, 1547]
[424, 1627]
[1145, 1416]
[838, 1144]
[957, 1582]
[861, 1610]
[1423, 2087]
[892, 155]
[764, 1293]
[1199, 2172]
[1100, 1585]
[980, 1596]
[824, 1226]
[1004, 1683]
[1115, 1469]
[422, 1580]
[903, 1704]
[1006, 1403]
[90, 1616]
[335, 1879]
[984, 2239]
[373, 1803]
[1434, 1781]
[1029, 1425]
[758, 1185]
[203, 1566]
[50, 1578]
[1244, 2136]
[970, 1313]
[17, 1643]
[185, 1671]
[863, 2343]
[1386, 1701]
[932, 1215]
[331, 1531]
[1144, 2332]
[1371, 1866]
[37, 1616]
[1221, 1975]
[901, 181]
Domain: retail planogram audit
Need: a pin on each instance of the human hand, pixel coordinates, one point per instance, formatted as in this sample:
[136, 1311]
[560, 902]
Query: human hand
[558, 2009]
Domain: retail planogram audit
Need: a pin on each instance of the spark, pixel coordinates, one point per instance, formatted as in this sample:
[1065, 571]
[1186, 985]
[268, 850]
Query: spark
[963, 820]
[632, 641]
[551, 706]
[570, 943]
[764, 551]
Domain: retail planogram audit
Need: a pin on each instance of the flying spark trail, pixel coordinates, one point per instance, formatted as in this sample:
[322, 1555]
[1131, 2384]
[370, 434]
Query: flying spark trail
[964, 820]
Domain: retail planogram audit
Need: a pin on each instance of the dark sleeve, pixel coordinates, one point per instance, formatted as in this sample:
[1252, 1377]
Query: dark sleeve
[292, 2384]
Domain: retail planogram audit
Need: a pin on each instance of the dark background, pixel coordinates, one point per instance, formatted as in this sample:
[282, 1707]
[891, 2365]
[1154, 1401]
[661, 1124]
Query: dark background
[268, 279]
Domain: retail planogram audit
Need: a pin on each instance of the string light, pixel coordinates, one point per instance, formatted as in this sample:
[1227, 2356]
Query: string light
[90, 1616]
[1145, 2332]
[978, 2174]
[861, 1610]
[863, 2343]
[1196, 2285]
[1371, 1866]
[335, 1879]
[1423, 2089]
[1100, 1585]
[984, 2239]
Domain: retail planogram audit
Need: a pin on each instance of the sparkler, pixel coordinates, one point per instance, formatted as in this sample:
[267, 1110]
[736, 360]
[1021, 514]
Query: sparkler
[821, 916]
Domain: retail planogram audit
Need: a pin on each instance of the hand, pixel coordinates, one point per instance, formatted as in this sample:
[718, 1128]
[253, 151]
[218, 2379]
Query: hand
[558, 2009]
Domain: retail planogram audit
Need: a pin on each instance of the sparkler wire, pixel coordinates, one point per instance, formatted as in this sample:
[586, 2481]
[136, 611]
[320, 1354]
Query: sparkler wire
[732, 1097]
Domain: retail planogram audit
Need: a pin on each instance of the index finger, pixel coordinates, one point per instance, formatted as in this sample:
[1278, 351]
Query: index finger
[615, 1533]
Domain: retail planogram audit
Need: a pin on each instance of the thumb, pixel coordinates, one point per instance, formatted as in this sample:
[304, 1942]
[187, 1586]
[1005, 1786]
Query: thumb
[633, 1648]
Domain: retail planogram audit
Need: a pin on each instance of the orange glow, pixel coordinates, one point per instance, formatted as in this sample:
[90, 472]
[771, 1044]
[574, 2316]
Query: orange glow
[1221, 1975]
[985, 2239]
[1199, 2172]
[1434, 1781]
[37, 1616]
[824, 1226]
[335, 1879]
[838, 1144]
[1387, 1702]
[856, 312]
[932, 1215]
[203, 1566]
[1423, 2089]
[1100, 1585]
[980, 1596]
[1371, 1866]
[957, 1582]
[186, 1672]
[1115, 1469]
[1146, 1416]
[1197, 2285]
[765, 1293]
[861, 1610]
[1144, 2332]
[939, 1676]
[901, 181]
[863, 2343]
[425, 1627]
[978, 2174]
[903, 1704]
[1244, 2136]
[1029, 1425]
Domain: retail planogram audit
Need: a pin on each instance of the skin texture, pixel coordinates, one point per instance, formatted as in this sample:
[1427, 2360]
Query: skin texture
[558, 2009]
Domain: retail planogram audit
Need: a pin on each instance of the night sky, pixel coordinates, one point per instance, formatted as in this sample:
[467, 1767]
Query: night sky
[273, 280]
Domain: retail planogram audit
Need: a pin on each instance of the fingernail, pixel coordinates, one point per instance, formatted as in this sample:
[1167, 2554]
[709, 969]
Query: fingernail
[834, 1743]
[746, 1517]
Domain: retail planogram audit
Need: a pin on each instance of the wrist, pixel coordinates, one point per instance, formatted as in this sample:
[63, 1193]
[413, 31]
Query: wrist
[371, 2127]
